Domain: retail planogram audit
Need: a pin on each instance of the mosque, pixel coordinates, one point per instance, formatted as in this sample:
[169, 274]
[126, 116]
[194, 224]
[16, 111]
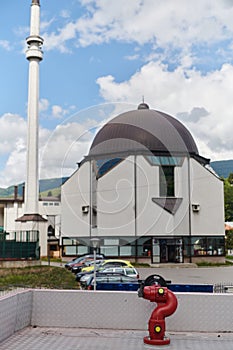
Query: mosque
[145, 192]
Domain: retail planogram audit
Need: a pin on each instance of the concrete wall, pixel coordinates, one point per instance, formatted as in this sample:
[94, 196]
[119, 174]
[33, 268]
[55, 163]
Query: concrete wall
[206, 191]
[151, 218]
[75, 195]
[12, 211]
[19, 263]
[116, 201]
[111, 310]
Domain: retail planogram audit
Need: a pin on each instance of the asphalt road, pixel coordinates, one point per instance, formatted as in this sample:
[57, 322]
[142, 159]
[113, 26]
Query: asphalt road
[191, 275]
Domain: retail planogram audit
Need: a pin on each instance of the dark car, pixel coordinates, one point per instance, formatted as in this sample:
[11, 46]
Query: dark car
[111, 281]
[81, 260]
[77, 268]
[69, 264]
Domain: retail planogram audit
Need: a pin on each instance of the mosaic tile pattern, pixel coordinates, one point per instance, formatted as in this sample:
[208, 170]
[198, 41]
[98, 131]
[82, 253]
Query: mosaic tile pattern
[15, 313]
[83, 339]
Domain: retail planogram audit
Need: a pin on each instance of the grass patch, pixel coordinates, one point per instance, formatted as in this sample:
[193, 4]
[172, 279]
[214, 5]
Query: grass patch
[229, 257]
[57, 260]
[135, 264]
[38, 277]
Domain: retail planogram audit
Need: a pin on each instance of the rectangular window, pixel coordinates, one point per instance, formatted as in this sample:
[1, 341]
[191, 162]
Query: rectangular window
[166, 181]
[203, 245]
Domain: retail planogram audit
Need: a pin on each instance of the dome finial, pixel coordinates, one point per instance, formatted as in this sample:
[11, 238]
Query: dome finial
[36, 2]
[143, 105]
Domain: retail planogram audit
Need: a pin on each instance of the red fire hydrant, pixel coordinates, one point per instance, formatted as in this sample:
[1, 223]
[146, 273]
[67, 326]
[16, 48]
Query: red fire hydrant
[166, 306]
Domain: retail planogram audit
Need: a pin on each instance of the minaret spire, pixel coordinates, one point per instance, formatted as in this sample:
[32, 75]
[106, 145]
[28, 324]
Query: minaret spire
[34, 55]
[31, 219]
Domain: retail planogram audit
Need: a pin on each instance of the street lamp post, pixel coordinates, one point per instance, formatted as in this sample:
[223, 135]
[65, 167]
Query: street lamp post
[95, 244]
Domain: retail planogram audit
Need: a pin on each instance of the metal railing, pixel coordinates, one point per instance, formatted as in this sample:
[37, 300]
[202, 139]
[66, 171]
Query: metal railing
[223, 287]
[19, 245]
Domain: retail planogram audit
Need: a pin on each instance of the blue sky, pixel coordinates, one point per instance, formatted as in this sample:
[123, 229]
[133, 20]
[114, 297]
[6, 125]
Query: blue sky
[100, 58]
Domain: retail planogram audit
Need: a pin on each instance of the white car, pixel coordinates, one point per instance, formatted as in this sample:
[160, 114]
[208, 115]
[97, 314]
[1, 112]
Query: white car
[128, 271]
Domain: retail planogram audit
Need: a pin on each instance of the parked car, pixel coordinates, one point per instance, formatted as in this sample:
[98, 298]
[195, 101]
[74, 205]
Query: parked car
[77, 267]
[111, 281]
[69, 264]
[109, 263]
[81, 260]
[127, 271]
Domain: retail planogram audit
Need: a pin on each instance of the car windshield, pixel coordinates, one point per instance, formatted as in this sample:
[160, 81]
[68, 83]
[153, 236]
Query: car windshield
[93, 262]
[119, 270]
[77, 260]
[113, 279]
[130, 272]
[109, 269]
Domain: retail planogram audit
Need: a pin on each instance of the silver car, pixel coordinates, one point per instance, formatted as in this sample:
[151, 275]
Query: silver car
[127, 271]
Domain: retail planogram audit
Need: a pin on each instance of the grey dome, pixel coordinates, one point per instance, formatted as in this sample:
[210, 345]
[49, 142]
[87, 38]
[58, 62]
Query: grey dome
[143, 130]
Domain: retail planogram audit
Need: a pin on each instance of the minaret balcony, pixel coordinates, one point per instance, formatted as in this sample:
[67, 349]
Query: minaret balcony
[34, 39]
[34, 52]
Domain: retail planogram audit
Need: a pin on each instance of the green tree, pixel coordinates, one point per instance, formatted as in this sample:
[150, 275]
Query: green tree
[228, 197]
[229, 239]
[230, 178]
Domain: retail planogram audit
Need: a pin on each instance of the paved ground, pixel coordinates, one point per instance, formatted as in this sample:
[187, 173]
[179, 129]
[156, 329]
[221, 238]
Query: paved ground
[192, 275]
[84, 339]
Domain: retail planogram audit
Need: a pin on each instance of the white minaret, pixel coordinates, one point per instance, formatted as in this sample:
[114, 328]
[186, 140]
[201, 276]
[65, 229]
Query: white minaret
[34, 55]
[32, 220]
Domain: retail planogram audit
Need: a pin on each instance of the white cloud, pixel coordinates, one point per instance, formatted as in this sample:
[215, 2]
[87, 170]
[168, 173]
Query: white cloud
[71, 140]
[43, 105]
[65, 13]
[194, 116]
[13, 143]
[58, 112]
[59, 149]
[162, 23]
[49, 111]
[15, 167]
[12, 148]
[58, 40]
[203, 103]
[66, 146]
[46, 24]
[132, 57]
[12, 128]
[5, 44]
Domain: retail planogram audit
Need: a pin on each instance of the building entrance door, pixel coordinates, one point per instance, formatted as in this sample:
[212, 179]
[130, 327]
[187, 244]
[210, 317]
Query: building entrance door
[167, 250]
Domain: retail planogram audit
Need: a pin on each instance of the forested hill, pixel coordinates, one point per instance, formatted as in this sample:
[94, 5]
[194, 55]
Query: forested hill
[46, 185]
[223, 167]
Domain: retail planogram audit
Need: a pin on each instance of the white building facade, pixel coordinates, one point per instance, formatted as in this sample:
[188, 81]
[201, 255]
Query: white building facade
[146, 193]
[48, 239]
